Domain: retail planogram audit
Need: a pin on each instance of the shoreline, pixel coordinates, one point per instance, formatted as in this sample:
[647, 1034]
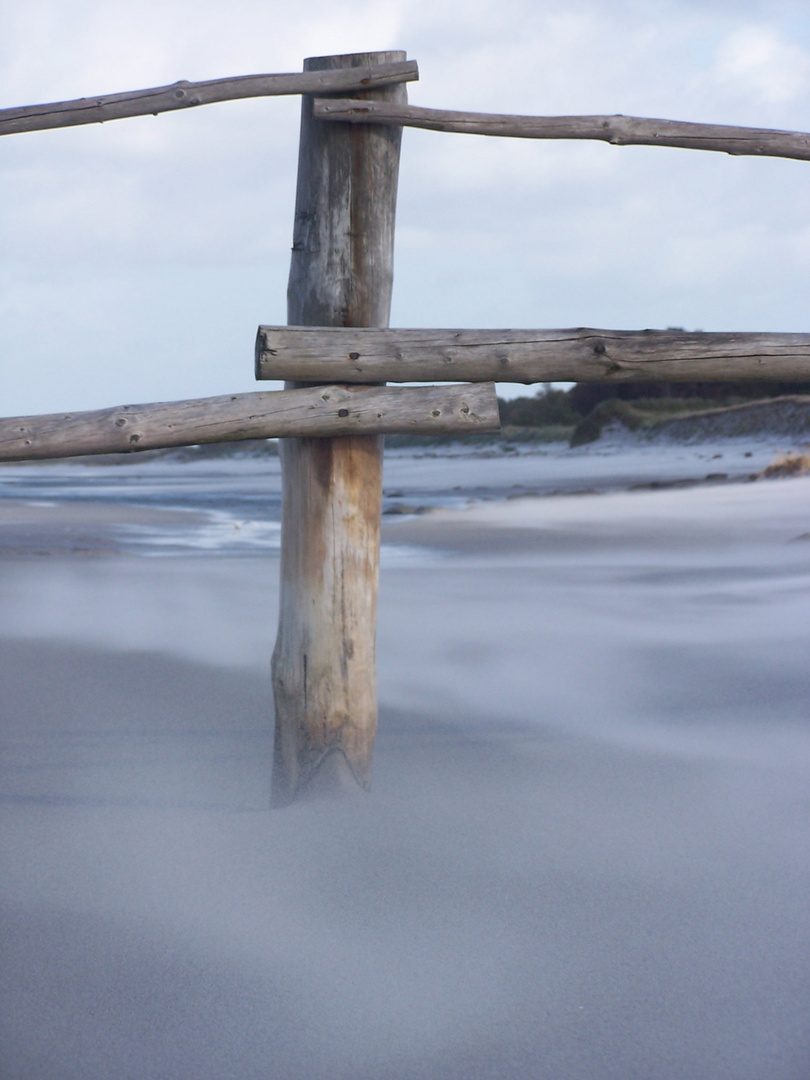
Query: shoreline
[233, 507]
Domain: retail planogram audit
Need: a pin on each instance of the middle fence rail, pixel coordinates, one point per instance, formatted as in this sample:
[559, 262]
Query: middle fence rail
[526, 356]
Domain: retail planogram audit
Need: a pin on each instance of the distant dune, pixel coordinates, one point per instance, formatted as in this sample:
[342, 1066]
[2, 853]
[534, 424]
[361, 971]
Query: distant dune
[779, 416]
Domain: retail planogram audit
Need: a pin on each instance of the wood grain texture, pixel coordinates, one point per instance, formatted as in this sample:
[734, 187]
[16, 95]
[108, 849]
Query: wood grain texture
[186, 95]
[618, 130]
[527, 356]
[324, 673]
[312, 411]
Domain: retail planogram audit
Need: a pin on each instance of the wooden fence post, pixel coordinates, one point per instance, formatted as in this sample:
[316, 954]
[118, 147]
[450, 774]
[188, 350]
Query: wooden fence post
[324, 672]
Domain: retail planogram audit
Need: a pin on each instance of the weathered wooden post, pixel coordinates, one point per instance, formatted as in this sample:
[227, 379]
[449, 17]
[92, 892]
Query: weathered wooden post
[324, 673]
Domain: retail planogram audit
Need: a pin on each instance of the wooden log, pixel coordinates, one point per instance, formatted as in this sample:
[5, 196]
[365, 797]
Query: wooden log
[618, 130]
[528, 356]
[185, 95]
[324, 674]
[315, 411]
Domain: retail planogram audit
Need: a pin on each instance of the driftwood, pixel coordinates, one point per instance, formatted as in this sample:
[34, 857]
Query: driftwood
[618, 130]
[527, 356]
[324, 670]
[185, 95]
[313, 411]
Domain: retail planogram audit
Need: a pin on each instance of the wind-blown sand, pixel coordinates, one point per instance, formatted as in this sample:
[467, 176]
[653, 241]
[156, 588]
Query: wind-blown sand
[586, 850]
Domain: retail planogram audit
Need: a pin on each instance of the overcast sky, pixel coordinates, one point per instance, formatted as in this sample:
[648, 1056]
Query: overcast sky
[138, 257]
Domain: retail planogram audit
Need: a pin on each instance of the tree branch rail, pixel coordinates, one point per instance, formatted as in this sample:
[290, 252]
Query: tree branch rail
[617, 130]
[187, 95]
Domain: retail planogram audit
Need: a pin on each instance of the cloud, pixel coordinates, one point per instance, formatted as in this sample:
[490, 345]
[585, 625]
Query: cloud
[756, 62]
[178, 227]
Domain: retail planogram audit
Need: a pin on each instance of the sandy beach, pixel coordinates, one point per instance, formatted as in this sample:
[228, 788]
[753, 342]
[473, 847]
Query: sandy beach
[585, 854]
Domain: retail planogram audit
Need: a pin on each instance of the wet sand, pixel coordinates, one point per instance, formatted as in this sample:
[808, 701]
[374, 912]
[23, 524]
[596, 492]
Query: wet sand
[30, 528]
[586, 850]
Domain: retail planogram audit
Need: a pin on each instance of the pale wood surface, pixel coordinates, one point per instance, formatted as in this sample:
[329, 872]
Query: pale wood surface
[185, 95]
[313, 411]
[324, 674]
[527, 356]
[618, 130]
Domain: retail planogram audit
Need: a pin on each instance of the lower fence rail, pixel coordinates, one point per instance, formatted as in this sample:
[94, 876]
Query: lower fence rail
[309, 411]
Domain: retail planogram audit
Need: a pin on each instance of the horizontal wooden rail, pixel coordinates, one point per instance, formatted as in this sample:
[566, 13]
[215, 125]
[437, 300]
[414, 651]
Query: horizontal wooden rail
[618, 130]
[185, 95]
[347, 355]
[311, 411]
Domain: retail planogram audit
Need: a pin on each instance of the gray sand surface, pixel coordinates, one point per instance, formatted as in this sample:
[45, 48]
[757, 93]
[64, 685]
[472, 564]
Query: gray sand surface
[586, 850]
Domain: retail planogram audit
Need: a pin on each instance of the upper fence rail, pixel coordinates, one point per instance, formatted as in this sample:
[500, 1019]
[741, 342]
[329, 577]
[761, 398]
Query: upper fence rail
[186, 95]
[618, 130]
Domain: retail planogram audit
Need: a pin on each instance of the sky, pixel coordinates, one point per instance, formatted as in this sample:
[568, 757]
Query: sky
[138, 257]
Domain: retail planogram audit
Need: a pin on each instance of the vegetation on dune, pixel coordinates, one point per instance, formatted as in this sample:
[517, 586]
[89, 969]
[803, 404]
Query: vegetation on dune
[586, 396]
[587, 408]
[787, 465]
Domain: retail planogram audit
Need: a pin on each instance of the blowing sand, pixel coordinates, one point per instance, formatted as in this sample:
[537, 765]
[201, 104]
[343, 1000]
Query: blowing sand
[586, 850]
